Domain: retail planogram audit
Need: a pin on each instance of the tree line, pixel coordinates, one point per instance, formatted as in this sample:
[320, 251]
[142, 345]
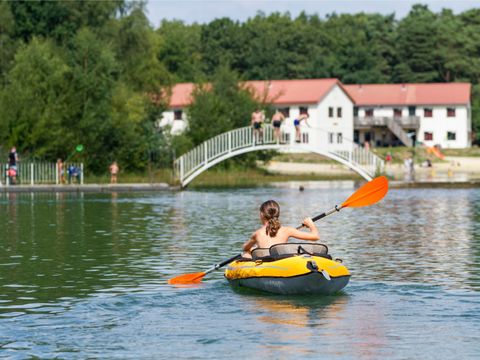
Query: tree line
[89, 71]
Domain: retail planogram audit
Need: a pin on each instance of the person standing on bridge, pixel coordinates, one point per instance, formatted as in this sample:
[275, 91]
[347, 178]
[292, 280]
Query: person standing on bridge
[302, 117]
[257, 122]
[277, 120]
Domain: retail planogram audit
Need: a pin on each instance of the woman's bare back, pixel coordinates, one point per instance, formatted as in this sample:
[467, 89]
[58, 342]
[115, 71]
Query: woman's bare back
[265, 241]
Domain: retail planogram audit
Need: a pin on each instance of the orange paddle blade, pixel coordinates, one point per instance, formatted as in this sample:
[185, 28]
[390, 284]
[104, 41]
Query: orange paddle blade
[368, 194]
[193, 278]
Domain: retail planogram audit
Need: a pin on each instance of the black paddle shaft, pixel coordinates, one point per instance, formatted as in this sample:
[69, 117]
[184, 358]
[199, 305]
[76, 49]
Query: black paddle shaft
[223, 263]
[321, 216]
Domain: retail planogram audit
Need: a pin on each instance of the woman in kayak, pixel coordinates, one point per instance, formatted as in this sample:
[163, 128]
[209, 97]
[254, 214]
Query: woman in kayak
[272, 233]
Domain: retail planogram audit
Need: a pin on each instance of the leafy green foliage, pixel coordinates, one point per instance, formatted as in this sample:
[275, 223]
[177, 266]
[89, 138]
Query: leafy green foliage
[219, 106]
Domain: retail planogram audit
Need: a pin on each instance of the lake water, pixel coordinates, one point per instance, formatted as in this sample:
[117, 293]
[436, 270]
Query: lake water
[84, 276]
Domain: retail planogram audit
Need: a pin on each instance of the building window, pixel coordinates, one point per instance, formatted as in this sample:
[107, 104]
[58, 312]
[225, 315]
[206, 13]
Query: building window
[303, 110]
[330, 112]
[427, 112]
[285, 111]
[397, 113]
[368, 112]
[339, 112]
[356, 136]
[451, 135]
[412, 111]
[450, 112]
[355, 111]
[339, 138]
[330, 137]
[177, 115]
[428, 136]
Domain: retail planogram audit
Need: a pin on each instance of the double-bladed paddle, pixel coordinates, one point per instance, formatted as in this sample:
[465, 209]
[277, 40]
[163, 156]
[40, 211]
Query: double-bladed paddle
[368, 194]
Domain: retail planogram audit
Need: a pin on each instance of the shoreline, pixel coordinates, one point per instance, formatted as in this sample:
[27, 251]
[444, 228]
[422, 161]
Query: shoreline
[125, 188]
[92, 188]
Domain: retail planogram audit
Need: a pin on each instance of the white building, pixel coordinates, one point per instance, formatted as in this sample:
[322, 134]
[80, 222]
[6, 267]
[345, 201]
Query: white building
[381, 114]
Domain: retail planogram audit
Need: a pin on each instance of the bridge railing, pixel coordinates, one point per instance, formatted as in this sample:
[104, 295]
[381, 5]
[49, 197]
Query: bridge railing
[332, 144]
[35, 173]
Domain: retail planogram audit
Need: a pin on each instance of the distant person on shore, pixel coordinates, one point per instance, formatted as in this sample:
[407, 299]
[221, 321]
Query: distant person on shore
[302, 117]
[257, 122]
[60, 171]
[388, 159]
[277, 120]
[272, 232]
[12, 165]
[113, 172]
[409, 169]
[73, 174]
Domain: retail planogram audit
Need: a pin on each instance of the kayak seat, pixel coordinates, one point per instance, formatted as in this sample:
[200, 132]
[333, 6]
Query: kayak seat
[261, 254]
[281, 251]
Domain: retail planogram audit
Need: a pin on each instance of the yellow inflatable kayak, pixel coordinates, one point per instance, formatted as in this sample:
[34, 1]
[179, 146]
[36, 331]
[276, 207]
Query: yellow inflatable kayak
[294, 268]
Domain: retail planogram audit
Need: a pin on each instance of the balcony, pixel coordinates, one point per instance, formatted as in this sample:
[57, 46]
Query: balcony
[406, 122]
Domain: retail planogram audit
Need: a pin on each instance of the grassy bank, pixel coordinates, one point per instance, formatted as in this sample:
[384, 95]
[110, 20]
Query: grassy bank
[236, 177]
[157, 176]
[255, 177]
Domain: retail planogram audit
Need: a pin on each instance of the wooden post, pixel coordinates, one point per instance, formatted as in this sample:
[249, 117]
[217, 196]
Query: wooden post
[31, 174]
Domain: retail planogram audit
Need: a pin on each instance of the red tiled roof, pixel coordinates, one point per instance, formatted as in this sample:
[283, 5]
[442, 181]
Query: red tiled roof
[311, 91]
[410, 94]
[181, 95]
[278, 92]
[284, 92]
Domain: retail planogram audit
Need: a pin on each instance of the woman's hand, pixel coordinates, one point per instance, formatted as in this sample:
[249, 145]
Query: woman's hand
[308, 222]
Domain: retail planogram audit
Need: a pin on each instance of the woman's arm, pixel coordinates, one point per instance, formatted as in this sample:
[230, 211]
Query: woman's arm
[250, 242]
[313, 235]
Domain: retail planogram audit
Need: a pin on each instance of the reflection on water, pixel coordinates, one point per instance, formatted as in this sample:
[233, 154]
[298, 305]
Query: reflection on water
[88, 270]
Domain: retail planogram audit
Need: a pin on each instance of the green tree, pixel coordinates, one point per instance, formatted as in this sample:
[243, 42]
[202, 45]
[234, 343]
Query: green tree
[137, 47]
[180, 50]
[60, 20]
[34, 103]
[223, 42]
[8, 44]
[218, 107]
[417, 38]
[476, 113]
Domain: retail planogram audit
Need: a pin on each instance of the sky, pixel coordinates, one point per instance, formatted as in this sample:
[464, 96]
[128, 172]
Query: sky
[204, 11]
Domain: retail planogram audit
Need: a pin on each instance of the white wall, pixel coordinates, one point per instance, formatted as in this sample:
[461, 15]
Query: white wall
[320, 124]
[439, 124]
[177, 126]
[336, 98]
[382, 111]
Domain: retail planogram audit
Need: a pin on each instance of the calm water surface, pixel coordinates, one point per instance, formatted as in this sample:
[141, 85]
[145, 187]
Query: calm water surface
[84, 276]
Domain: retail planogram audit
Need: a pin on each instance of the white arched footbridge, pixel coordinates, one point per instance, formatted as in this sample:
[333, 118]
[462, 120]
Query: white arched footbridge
[240, 141]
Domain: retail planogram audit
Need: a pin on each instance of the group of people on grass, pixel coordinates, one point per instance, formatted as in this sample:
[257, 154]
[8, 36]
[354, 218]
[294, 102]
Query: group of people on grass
[258, 119]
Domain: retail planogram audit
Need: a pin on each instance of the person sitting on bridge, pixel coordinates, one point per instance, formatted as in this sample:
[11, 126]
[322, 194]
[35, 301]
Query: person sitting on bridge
[257, 122]
[272, 232]
[302, 117]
